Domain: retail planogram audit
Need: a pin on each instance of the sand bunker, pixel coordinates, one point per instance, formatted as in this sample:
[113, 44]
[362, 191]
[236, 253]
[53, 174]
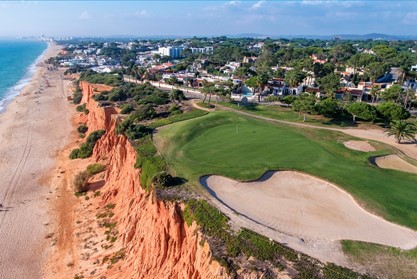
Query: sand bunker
[306, 207]
[394, 162]
[359, 145]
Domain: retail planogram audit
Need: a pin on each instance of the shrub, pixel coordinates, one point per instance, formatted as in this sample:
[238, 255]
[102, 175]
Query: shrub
[95, 168]
[100, 97]
[101, 78]
[132, 130]
[81, 108]
[390, 111]
[161, 178]
[150, 168]
[144, 112]
[78, 95]
[86, 149]
[329, 108]
[145, 150]
[126, 108]
[272, 99]
[82, 128]
[80, 182]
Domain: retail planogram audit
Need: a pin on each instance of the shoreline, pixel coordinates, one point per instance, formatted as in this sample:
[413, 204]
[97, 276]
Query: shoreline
[34, 126]
[24, 81]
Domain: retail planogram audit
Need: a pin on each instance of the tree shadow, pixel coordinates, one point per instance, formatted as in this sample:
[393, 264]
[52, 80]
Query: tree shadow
[176, 181]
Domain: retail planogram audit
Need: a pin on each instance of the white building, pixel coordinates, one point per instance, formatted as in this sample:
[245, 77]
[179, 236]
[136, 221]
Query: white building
[173, 52]
[207, 50]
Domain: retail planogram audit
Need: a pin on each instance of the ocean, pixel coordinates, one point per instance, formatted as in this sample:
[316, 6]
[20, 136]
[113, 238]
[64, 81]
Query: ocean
[17, 66]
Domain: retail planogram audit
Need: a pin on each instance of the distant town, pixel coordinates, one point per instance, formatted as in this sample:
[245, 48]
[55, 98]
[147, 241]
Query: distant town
[260, 70]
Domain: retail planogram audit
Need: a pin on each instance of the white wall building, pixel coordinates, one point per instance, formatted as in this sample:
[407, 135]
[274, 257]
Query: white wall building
[173, 52]
[207, 50]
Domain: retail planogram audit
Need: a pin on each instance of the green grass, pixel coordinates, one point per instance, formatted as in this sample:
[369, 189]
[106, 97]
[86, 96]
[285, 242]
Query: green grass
[388, 262]
[286, 114]
[177, 118]
[243, 148]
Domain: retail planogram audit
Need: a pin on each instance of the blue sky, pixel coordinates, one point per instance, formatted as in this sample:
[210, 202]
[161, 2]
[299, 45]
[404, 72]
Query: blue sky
[142, 18]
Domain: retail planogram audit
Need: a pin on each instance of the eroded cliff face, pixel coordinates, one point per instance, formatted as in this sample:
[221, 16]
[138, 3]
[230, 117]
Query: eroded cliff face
[156, 241]
[98, 117]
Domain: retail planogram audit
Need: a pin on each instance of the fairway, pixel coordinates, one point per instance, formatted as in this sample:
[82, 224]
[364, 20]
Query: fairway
[242, 148]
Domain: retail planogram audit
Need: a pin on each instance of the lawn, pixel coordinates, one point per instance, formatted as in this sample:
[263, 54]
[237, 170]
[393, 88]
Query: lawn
[387, 262]
[287, 114]
[243, 148]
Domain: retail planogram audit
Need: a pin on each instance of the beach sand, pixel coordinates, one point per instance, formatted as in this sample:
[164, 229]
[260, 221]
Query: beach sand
[33, 128]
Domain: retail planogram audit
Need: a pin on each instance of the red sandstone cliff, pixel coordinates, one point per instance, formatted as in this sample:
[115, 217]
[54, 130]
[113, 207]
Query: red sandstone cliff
[156, 240]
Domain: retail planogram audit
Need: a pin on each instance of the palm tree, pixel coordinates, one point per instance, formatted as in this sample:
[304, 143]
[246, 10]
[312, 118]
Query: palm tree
[402, 130]
[374, 93]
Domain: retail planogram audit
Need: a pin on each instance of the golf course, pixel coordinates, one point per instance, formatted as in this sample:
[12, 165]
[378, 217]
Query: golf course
[242, 148]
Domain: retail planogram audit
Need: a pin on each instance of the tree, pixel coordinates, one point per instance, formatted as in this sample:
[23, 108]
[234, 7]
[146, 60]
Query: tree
[209, 88]
[362, 110]
[402, 130]
[177, 95]
[392, 94]
[374, 93]
[293, 78]
[329, 108]
[390, 111]
[329, 84]
[375, 70]
[304, 104]
[321, 70]
[252, 83]
[261, 81]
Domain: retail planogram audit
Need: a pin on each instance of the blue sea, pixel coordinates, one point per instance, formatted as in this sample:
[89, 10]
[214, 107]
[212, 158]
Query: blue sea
[17, 66]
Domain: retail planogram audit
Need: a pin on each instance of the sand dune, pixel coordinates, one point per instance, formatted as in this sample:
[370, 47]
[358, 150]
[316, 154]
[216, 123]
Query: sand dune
[308, 208]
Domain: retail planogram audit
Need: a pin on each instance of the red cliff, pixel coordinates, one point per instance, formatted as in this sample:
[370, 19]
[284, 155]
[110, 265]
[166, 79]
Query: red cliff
[156, 241]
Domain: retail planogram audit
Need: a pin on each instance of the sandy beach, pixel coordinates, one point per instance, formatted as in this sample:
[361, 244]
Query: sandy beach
[33, 128]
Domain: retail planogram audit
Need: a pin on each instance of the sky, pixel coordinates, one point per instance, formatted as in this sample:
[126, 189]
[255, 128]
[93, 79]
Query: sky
[206, 18]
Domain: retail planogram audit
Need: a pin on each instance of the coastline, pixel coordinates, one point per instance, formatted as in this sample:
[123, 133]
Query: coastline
[34, 126]
[17, 88]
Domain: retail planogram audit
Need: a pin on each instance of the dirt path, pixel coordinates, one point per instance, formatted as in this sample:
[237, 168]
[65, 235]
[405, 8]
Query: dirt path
[33, 128]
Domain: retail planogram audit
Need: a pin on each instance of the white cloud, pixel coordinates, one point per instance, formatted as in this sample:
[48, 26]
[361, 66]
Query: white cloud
[142, 13]
[410, 18]
[85, 15]
[224, 6]
[258, 4]
[341, 15]
[233, 3]
[346, 4]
